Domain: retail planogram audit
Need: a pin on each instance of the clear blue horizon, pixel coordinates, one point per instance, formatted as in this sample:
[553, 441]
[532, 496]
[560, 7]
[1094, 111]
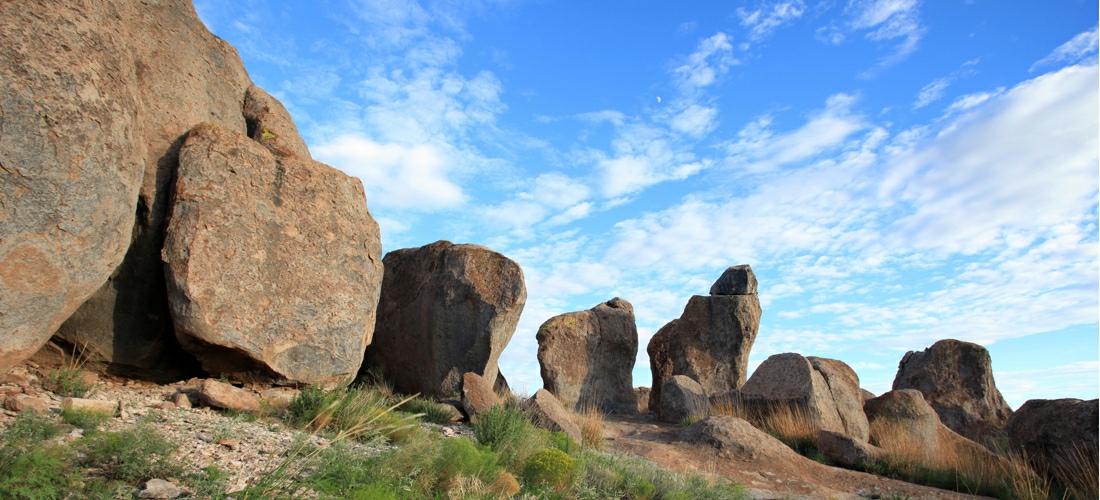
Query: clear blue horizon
[895, 171]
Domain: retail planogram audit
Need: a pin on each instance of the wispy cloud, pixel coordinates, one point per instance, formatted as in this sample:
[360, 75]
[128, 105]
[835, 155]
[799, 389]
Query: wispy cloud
[1081, 46]
[897, 22]
[766, 18]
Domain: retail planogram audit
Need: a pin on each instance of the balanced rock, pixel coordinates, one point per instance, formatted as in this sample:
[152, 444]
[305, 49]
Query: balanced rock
[586, 357]
[683, 398]
[272, 263]
[710, 341]
[546, 412]
[477, 395]
[72, 157]
[956, 378]
[445, 310]
[736, 280]
[826, 389]
[183, 76]
[1053, 433]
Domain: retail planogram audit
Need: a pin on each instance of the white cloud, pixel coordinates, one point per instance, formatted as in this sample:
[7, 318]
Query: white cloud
[932, 92]
[695, 121]
[894, 21]
[395, 176]
[1078, 378]
[764, 20]
[711, 59]
[969, 101]
[1081, 46]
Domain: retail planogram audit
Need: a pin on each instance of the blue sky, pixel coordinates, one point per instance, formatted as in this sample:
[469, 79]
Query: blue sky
[895, 171]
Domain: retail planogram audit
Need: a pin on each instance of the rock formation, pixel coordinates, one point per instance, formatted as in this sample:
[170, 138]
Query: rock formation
[682, 398]
[847, 451]
[546, 412]
[826, 389]
[272, 262]
[956, 378]
[183, 76]
[71, 160]
[1053, 433]
[445, 310]
[477, 395]
[586, 357]
[711, 340]
[908, 410]
[735, 439]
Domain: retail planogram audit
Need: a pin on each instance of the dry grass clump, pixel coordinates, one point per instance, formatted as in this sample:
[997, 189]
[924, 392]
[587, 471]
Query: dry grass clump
[790, 423]
[590, 420]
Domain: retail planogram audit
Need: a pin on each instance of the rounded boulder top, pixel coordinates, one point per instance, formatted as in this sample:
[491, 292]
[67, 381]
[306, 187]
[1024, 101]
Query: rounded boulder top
[736, 280]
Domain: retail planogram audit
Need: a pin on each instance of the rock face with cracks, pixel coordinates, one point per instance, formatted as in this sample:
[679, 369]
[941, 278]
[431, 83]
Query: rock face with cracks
[711, 340]
[273, 264]
[445, 310]
[586, 357]
[956, 378]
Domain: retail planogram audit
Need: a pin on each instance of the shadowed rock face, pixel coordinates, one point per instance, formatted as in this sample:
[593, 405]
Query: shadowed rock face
[445, 310]
[956, 378]
[911, 411]
[586, 357]
[711, 340]
[1049, 430]
[272, 264]
[682, 398]
[71, 160]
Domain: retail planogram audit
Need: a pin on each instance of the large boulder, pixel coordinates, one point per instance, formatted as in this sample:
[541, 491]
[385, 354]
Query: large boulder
[445, 310]
[906, 412]
[272, 263]
[586, 357]
[956, 378]
[183, 76]
[735, 439]
[71, 160]
[847, 451]
[711, 340]
[682, 399]
[826, 389]
[1054, 433]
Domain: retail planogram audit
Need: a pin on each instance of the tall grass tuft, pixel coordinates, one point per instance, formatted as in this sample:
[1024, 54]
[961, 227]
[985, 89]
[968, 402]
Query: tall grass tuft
[590, 421]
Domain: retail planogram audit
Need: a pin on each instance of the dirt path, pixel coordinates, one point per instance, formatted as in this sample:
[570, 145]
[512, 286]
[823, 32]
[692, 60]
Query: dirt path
[775, 474]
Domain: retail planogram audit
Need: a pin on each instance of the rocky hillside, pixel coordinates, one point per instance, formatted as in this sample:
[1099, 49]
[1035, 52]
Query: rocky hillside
[163, 226]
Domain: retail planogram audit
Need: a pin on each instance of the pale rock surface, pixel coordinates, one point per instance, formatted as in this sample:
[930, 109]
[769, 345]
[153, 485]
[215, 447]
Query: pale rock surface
[956, 378]
[847, 396]
[711, 340]
[445, 310]
[586, 357]
[790, 379]
[546, 412]
[909, 410]
[272, 263]
[159, 488]
[221, 395]
[95, 405]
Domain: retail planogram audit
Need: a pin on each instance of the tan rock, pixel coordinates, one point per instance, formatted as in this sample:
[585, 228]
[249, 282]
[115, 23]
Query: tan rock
[270, 124]
[735, 439]
[847, 451]
[181, 400]
[445, 310]
[95, 405]
[272, 263]
[790, 379]
[546, 412]
[847, 396]
[22, 402]
[477, 395]
[586, 357]
[910, 412]
[683, 398]
[221, 395]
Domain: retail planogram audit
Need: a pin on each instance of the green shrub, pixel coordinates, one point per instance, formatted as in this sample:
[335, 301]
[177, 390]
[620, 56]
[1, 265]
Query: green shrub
[498, 425]
[551, 469]
[563, 442]
[67, 382]
[30, 427]
[34, 471]
[461, 457]
[84, 418]
[430, 411]
[133, 455]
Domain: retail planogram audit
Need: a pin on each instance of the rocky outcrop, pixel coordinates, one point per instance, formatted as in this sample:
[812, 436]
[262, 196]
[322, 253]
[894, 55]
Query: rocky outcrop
[71, 160]
[846, 451]
[711, 340]
[477, 395]
[735, 439]
[906, 409]
[270, 124]
[182, 76]
[956, 378]
[445, 310]
[682, 399]
[272, 262]
[1055, 433]
[546, 412]
[586, 357]
[826, 389]
[641, 398]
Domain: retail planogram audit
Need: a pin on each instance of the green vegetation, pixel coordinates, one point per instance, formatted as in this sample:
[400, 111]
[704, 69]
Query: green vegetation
[84, 418]
[68, 382]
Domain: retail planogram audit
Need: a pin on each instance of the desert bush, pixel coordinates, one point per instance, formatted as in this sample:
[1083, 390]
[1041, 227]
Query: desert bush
[84, 418]
[30, 466]
[552, 469]
[563, 442]
[460, 457]
[607, 475]
[429, 411]
[132, 455]
[499, 424]
[590, 420]
[68, 382]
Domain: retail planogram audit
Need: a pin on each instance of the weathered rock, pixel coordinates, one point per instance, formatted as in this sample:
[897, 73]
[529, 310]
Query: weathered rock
[500, 385]
[709, 342]
[845, 450]
[445, 310]
[183, 75]
[736, 280]
[477, 395]
[181, 400]
[272, 263]
[96, 405]
[956, 378]
[847, 396]
[546, 412]
[735, 439]
[270, 124]
[23, 402]
[586, 357]
[159, 488]
[641, 397]
[221, 395]
[910, 413]
[71, 156]
[867, 394]
[791, 380]
[1053, 432]
[683, 398]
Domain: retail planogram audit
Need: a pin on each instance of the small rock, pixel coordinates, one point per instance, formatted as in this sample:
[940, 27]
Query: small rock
[548, 413]
[159, 488]
[181, 400]
[845, 450]
[477, 395]
[22, 402]
[97, 405]
[232, 444]
[683, 398]
[736, 280]
[221, 395]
